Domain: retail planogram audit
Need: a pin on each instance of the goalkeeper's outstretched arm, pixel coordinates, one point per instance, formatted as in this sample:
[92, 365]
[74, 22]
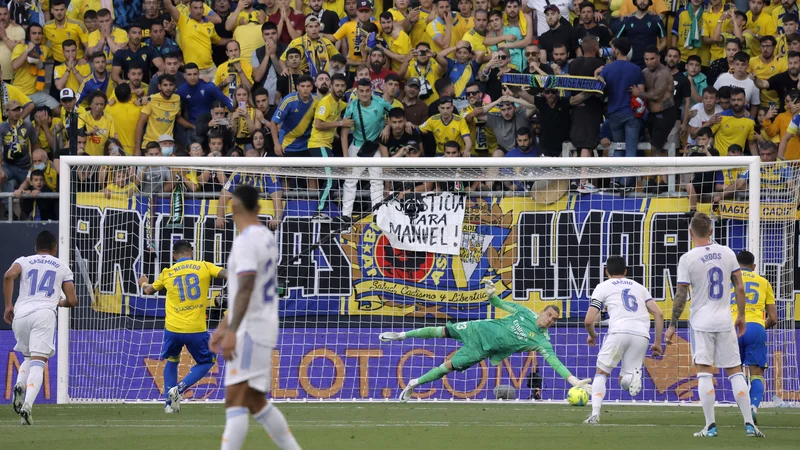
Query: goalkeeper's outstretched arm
[546, 350]
[495, 300]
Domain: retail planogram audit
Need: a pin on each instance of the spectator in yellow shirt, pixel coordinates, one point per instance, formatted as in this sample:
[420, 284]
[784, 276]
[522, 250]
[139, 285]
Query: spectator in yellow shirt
[759, 24]
[313, 48]
[465, 18]
[98, 125]
[62, 29]
[13, 34]
[108, 38]
[789, 148]
[125, 112]
[78, 8]
[197, 35]
[398, 41]
[28, 61]
[442, 30]
[356, 37]
[234, 72]
[658, 7]
[70, 74]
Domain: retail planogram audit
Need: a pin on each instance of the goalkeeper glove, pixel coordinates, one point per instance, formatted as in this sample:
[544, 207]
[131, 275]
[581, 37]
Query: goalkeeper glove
[575, 382]
[488, 286]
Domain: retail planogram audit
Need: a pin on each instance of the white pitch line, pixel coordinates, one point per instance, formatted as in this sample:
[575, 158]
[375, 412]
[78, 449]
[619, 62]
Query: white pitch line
[367, 424]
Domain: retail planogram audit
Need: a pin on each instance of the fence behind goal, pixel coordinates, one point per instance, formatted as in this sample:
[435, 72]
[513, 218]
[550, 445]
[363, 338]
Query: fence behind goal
[419, 261]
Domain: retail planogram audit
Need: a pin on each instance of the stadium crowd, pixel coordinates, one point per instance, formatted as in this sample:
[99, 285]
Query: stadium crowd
[403, 79]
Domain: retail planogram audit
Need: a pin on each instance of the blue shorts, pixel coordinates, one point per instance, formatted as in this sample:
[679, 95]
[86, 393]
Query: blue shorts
[196, 343]
[753, 345]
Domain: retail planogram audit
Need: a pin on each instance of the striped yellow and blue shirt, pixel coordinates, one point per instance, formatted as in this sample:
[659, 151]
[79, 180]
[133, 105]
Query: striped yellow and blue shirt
[294, 118]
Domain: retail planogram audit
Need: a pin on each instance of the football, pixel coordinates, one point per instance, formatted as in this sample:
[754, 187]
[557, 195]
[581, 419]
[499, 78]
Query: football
[577, 396]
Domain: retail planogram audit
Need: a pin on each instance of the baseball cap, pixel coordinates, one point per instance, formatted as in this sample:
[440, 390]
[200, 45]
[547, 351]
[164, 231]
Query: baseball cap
[445, 99]
[364, 4]
[311, 19]
[67, 94]
[166, 138]
[552, 7]
[12, 104]
[413, 82]
[339, 58]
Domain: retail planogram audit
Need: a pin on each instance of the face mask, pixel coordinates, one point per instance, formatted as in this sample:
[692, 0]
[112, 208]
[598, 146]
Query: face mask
[39, 166]
[166, 151]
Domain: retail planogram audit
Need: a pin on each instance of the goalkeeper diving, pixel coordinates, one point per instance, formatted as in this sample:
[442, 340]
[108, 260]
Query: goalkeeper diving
[522, 330]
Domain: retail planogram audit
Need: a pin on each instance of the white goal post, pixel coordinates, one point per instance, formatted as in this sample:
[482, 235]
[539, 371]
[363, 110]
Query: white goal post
[540, 243]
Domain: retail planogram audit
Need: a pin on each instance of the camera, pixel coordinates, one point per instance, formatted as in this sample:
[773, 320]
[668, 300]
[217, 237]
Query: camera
[697, 149]
[535, 382]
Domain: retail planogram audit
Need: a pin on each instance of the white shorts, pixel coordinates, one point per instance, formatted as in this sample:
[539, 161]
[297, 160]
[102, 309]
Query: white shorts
[628, 348]
[35, 333]
[719, 349]
[253, 364]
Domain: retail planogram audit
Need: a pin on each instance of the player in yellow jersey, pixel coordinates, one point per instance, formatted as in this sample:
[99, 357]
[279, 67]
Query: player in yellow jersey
[753, 344]
[187, 283]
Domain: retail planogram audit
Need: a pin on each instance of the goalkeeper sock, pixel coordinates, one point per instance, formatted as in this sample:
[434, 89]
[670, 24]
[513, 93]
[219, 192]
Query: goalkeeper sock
[705, 387]
[197, 372]
[35, 379]
[24, 370]
[434, 374]
[598, 393]
[170, 377]
[742, 394]
[236, 423]
[426, 333]
[273, 421]
[756, 390]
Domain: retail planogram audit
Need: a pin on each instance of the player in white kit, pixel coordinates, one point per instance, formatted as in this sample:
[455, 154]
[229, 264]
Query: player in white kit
[43, 278]
[710, 269]
[249, 331]
[629, 307]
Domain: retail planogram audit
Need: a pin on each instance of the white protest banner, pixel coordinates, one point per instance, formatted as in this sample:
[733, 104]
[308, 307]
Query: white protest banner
[424, 222]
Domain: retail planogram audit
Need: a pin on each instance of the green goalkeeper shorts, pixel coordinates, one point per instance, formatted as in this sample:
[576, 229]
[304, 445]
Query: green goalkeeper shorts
[469, 354]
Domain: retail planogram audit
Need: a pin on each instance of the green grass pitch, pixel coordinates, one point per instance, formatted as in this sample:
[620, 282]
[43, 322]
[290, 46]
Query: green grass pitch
[387, 426]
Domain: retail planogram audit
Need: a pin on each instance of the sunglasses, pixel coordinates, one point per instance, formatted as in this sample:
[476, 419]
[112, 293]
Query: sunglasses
[503, 56]
[531, 54]
[473, 92]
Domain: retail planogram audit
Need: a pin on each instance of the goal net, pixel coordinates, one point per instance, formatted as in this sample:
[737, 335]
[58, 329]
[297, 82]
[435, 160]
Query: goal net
[425, 234]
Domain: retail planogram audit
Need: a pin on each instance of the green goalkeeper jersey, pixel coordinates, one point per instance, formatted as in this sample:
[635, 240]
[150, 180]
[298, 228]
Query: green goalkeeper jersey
[517, 332]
